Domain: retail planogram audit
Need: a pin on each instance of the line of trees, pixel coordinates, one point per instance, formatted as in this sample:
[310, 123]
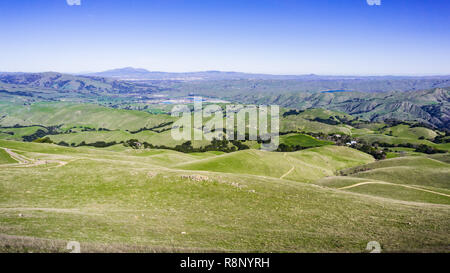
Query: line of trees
[222, 145]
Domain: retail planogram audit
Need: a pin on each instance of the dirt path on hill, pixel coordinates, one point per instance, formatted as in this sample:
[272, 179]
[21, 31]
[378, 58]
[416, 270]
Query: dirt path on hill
[77, 211]
[17, 157]
[387, 183]
[288, 172]
[26, 162]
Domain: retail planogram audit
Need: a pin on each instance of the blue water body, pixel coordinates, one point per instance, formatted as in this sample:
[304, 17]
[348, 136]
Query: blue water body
[335, 91]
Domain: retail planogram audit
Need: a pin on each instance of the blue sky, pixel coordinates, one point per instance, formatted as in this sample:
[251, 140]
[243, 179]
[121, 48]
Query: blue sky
[340, 37]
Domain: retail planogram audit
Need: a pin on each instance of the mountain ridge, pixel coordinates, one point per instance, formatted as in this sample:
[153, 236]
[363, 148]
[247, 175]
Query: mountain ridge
[365, 99]
[144, 74]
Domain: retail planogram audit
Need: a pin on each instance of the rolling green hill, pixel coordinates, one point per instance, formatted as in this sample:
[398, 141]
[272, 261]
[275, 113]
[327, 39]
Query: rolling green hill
[77, 121]
[297, 123]
[123, 199]
[406, 131]
[128, 200]
[381, 138]
[428, 106]
[19, 133]
[70, 115]
[368, 186]
[418, 178]
[53, 84]
[5, 158]
[306, 166]
[302, 140]
[323, 114]
[371, 98]
[414, 170]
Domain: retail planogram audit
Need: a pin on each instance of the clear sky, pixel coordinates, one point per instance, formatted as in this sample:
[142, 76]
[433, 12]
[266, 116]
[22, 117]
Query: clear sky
[406, 37]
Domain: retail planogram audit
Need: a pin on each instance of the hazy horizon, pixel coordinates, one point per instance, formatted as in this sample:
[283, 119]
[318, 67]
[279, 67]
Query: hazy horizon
[245, 72]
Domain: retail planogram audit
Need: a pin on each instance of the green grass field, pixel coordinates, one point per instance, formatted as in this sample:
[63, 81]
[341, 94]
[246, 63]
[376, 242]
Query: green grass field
[302, 140]
[5, 158]
[320, 113]
[137, 201]
[19, 133]
[159, 139]
[405, 131]
[417, 179]
[70, 114]
[325, 198]
[381, 138]
[304, 166]
[297, 123]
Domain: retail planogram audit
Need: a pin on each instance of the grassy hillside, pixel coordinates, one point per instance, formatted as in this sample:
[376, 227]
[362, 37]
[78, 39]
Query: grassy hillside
[120, 200]
[323, 199]
[429, 106]
[69, 115]
[418, 178]
[50, 85]
[5, 158]
[302, 140]
[374, 137]
[19, 133]
[297, 123]
[123, 199]
[154, 138]
[441, 157]
[81, 122]
[306, 166]
[406, 131]
[374, 99]
[414, 170]
[324, 114]
[368, 186]
[76, 119]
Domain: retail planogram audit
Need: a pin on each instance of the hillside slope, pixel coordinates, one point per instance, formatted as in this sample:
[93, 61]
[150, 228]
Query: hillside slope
[72, 114]
[430, 106]
[305, 166]
[418, 178]
[372, 98]
[115, 201]
[29, 83]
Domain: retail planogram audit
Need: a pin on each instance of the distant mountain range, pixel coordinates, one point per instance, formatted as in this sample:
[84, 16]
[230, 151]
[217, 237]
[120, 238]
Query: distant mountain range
[431, 106]
[59, 84]
[140, 74]
[236, 82]
[130, 73]
[426, 99]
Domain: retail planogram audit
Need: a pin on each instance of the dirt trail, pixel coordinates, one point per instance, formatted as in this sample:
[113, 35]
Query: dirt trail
[26, 162]
[19, 158]
[58, 210]
[288, 172]
[387, 183]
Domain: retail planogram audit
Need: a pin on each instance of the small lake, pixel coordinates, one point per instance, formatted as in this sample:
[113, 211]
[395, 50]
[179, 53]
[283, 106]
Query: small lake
[335, 91]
